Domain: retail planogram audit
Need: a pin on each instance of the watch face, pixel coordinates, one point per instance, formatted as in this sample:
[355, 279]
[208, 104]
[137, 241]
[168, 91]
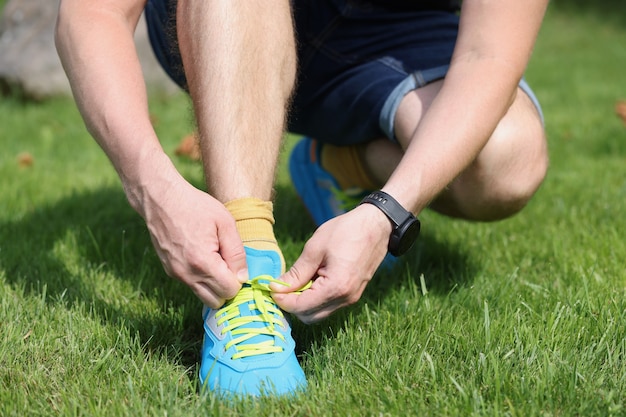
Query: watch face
[408, 235]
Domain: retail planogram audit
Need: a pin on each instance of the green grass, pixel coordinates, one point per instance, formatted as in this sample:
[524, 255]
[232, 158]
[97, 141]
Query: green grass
[524, 317]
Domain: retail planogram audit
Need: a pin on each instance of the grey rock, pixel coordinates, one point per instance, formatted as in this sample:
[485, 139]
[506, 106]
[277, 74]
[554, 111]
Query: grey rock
[28, 59]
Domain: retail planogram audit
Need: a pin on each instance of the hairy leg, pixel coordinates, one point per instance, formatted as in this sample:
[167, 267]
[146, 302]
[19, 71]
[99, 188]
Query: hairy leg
[239, 59]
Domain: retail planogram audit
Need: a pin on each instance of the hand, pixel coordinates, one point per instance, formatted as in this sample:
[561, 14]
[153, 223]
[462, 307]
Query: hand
[197, 242]
[341, 257]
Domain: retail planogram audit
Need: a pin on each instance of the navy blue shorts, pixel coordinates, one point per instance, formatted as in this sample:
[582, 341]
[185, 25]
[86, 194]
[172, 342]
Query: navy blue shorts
[356, 62]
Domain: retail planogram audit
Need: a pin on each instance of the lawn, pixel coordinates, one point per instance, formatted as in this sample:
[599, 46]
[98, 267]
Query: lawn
[524, 317]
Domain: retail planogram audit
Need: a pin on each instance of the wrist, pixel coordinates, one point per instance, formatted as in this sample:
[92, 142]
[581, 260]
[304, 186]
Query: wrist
[152, 174]
[404, 226]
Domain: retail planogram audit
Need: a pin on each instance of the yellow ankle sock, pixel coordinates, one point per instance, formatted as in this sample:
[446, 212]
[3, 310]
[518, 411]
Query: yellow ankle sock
[345, 164]
[255, 223]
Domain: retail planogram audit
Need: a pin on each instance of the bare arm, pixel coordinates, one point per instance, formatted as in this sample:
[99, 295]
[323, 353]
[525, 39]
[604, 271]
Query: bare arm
[95, 42]
[193, 233]
[493, 48]
[494, 45]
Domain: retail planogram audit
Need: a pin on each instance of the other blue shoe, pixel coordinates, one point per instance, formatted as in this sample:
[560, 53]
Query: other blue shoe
[247, 347]
[319, 190]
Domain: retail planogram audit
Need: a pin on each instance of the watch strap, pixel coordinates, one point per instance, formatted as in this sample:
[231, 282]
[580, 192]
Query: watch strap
[405, 227]
[388, 205]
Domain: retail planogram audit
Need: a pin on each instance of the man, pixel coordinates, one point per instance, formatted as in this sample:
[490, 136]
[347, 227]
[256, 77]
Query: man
[404, 108]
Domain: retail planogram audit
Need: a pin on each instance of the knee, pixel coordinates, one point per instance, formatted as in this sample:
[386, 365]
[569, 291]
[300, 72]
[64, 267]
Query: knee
[510, 195]
[505, 175]
[518, 167]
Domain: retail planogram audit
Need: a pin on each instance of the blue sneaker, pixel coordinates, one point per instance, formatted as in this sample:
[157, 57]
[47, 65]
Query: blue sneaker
[247, 347]
[319, 190]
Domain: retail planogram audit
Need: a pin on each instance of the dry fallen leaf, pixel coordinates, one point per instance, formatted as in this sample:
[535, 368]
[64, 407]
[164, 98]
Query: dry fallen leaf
[189, 148]
[620, 110]
[25, 160]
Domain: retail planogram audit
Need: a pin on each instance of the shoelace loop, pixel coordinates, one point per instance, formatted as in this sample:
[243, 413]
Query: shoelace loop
[255, 293]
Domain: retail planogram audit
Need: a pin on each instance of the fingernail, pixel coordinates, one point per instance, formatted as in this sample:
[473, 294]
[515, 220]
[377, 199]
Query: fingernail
[277, 286]
[242, 276]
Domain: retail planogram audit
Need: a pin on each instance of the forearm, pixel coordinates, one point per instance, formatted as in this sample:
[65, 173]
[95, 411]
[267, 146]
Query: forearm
[449, 137]
[95, 44]
[493, 48]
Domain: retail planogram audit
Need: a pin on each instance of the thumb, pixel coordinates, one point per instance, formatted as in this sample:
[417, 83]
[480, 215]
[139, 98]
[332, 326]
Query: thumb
[300, 274]
[233, 253]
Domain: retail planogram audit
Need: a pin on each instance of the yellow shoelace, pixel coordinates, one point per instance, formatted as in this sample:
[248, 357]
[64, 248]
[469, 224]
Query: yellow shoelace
[255, 293]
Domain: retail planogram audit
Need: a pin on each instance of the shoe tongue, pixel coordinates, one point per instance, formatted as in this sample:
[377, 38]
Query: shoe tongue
[260, 262]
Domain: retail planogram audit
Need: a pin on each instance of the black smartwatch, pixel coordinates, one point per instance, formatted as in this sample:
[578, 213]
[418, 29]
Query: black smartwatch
[406, 227]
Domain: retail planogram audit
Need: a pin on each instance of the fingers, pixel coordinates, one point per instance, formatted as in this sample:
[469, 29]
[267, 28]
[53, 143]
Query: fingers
[232, 251]
[206, 255]
[341, 258]
[320, 301]
[197, 242]
[222, 273]
[208, 276]
[303, 270]
[332, 287]
[207, 296]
